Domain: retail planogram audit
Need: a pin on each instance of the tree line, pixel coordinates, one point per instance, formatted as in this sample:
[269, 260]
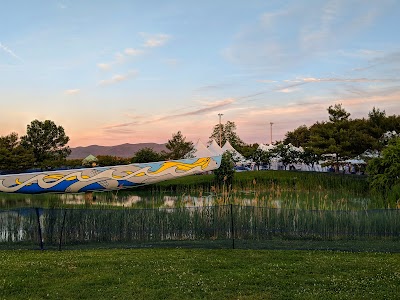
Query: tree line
[45, 146]
[333, 141]
[343, 137]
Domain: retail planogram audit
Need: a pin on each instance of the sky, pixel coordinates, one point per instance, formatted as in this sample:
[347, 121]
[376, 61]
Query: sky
[114, 72]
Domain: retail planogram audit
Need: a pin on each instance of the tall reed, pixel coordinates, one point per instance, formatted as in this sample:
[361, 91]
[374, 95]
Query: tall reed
[109, 226]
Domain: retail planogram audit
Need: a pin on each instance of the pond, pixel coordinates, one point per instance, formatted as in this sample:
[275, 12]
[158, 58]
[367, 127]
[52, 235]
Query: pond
[330, 200]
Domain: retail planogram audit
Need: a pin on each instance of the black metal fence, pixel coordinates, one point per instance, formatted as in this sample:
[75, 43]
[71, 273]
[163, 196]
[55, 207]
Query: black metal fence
[223, 226]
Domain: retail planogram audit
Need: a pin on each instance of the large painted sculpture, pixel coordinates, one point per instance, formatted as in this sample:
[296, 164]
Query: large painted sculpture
[105, 178]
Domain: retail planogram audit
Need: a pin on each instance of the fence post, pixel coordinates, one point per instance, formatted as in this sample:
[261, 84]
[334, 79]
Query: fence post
[232, 228]
[62, 230]
[39, 228]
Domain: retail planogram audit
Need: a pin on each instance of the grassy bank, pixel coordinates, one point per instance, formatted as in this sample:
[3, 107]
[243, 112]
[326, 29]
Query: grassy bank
[198, 274]
[265, 180]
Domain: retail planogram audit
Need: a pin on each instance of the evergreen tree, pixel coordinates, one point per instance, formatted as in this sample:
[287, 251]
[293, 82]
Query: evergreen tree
[178, 146]
[341, 137]
[14, 157]
[225, 173]
[298, 137]
[337, 113]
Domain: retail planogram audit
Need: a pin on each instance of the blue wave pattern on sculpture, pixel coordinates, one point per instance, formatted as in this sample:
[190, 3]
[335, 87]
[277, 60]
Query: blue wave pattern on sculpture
[105, 178]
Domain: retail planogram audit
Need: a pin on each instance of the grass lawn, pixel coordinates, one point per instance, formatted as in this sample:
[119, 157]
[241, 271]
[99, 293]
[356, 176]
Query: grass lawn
[198, 274]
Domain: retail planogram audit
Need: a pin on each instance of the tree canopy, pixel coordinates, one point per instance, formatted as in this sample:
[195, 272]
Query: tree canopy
[47, 141]
[298, 137]
[338, 113]
[343, 134]
[261, 157]
[384, 171]
[225, 173]
[146, 155]
[342, 137]
[109, 160]
[227, 133]
[178, 146]
[287, 154]
[14, 157]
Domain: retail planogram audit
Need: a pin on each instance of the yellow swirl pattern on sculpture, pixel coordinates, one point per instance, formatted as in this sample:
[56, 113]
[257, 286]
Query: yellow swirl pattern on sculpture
[104, 178]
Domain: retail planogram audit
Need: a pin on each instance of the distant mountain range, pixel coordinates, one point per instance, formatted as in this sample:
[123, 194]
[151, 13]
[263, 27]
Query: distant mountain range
[124, 150]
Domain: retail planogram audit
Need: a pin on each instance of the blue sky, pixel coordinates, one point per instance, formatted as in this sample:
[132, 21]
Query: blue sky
[113, 72]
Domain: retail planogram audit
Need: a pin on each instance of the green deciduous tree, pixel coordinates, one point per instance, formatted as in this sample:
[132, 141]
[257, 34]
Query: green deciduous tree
[262, 157]
[384, 171]
[232, 136]
[309, 157]
[146, 155]
[109, 160]
[228, 133]
[73, 163]
[379, 124]
[47, 141]
[218, 135]
[178, 146]
[247, 150]
[287, 155]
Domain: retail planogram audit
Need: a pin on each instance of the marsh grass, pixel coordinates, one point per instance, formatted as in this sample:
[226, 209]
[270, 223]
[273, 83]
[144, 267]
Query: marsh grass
[308, 190]
[68, 227]
[261, 206]
[265, 180]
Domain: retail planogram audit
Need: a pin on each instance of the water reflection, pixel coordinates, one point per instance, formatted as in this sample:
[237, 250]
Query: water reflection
[140, 199]
[100, 199]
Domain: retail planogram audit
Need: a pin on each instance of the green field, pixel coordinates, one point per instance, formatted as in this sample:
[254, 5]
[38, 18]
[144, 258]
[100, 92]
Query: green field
[190, 273]
[198, 274]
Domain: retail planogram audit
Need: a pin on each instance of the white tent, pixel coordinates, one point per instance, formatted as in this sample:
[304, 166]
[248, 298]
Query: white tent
[200, 150]
[215, 149]
[236, 155]
[264, 147]
[355, 161]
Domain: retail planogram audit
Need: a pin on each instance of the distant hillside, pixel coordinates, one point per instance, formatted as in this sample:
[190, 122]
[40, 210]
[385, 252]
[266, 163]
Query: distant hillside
[124, 150]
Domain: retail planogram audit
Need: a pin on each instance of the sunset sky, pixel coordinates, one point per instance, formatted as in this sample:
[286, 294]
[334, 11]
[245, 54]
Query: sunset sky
[113, 72]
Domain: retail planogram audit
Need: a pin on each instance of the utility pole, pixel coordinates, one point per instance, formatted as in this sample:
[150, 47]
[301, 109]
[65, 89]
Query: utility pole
[271, 130]
[220, 130]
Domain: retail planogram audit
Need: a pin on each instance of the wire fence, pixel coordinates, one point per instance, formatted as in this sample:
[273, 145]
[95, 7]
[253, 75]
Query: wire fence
[224, 226]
